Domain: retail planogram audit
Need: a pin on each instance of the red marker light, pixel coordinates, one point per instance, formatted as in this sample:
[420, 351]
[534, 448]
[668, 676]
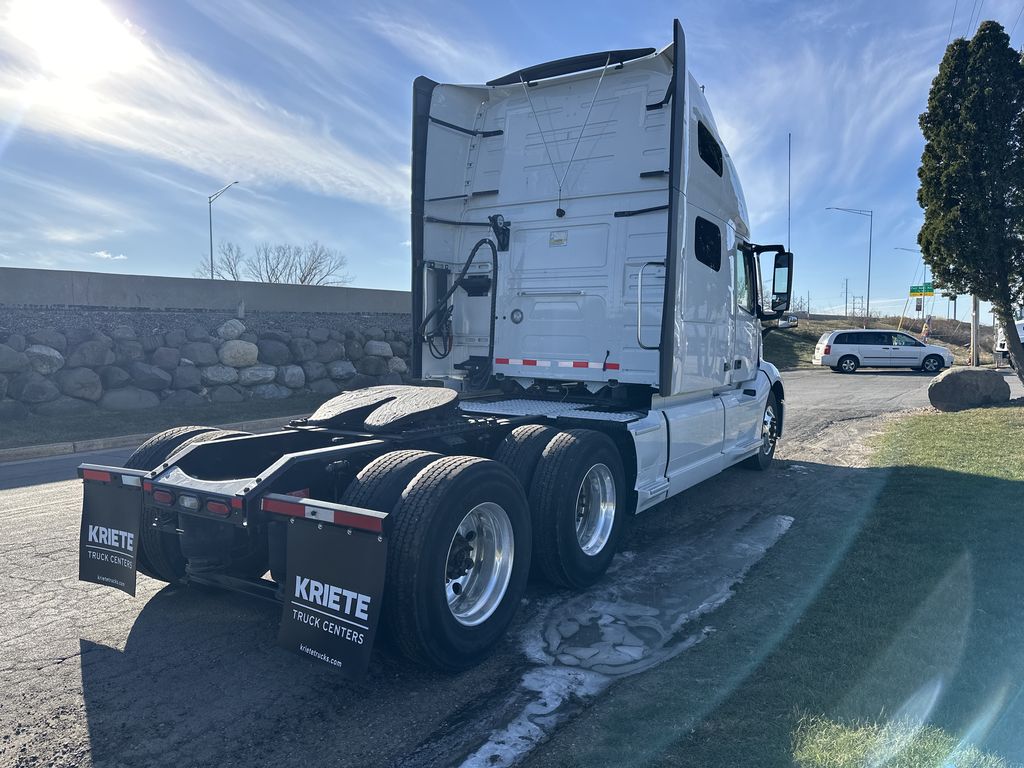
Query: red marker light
[218, 508]
[163, 497]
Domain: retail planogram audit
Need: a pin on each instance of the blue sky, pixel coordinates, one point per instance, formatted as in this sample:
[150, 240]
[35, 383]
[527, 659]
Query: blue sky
[118, 118]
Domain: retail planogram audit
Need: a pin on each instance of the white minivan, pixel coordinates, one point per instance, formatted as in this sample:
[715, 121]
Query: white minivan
[846, 351]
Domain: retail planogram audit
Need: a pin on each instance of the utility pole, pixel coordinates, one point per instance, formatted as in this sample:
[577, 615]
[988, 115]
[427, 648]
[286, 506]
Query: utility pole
[975, 335]
[808, 305]
[846, 297]
[210, 200]
[871, 227]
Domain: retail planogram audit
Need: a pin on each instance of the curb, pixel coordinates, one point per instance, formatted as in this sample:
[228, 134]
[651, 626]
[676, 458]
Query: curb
[124, 441]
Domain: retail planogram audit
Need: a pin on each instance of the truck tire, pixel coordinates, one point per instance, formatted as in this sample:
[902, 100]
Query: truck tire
[159, 552]
[522, 448]
[769, 436]
[577, 499]
[380, 483]
[458, 561]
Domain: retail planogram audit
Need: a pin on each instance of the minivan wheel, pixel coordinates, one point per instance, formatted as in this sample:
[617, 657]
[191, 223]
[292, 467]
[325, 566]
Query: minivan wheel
[848, 364]
[932, 364]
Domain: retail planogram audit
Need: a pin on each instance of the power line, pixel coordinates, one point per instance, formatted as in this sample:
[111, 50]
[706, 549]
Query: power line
[950, 35]
[1021, 13]
[970, 19]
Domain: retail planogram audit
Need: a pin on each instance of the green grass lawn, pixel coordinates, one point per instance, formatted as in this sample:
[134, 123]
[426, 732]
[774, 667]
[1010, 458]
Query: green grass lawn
[41, 430]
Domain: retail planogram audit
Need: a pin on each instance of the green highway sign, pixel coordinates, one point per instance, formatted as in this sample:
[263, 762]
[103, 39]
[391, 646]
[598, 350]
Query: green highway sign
[922, 290]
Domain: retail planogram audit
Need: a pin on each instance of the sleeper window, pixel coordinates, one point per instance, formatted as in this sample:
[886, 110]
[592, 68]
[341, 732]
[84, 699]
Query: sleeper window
[710, 151]
[707, 243]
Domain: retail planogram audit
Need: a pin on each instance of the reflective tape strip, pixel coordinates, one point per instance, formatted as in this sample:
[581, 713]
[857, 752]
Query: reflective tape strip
[532, 363]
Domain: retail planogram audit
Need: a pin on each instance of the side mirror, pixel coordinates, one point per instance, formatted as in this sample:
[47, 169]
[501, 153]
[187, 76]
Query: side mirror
[782, 281]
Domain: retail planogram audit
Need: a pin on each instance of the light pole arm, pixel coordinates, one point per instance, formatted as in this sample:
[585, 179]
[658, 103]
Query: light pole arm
[209, 201]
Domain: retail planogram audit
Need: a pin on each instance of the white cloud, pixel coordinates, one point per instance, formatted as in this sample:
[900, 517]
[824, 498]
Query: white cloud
[169, 107]
[108, 256]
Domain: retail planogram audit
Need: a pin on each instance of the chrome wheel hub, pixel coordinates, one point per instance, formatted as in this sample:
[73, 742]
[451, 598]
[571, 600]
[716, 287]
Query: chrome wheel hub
[479, 564]
[595, 509]
[769, 431]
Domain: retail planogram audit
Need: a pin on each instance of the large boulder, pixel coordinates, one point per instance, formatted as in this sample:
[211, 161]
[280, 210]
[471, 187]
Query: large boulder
[291, 376]
[200, 352]
[271, 391]
[151, 342]
[49, 337]
[113, 377]
[956, 389]
[374, 334]
[182, 398]
[31, 387]
[256, 374]
[91, 354]
[397, 365]
[187, 377]
[324, 387]
[238, 353]
[83, 383]
[82, 333]
[219, 374]
[10, 410]
[314, 371]
[249, 336]
[319, 334]
[353, 349]
[11, 360]
[299, 331]
[232, 329]
[274, 335]
[4, 382]
[389, 378]
[360, 381]
[175, 338]
[372, 366]
[16, 341]
[65, 406]
[150, 377]
[341, 369]
[273, 352]
[166, 358]
[129, 399]
[122, 332]
[44, 359]
[128, 351]
[327, 351]
[227, 393]
[302, 349]
[399, 348]
[378, 349]
[196, 332]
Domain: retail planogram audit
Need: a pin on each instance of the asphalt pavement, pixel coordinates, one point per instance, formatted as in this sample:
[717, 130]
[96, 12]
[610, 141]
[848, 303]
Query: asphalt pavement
[182, 676]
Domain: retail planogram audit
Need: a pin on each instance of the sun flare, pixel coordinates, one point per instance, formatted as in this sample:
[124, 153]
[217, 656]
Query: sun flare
[75, 41]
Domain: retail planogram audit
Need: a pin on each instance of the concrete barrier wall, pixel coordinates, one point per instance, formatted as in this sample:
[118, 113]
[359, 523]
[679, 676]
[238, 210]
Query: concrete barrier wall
[39, 288]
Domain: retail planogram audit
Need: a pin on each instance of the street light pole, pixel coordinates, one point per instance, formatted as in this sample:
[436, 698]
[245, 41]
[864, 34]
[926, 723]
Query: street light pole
[210, 200]
[871, 227]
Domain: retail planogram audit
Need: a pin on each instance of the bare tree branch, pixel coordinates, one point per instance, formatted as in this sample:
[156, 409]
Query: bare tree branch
[311, 264]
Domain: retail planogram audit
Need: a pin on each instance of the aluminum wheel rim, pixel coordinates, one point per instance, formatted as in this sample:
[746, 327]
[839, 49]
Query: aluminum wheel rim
[847, 365]
[595, 509]
[931, 365]
[769, 431]
[479, 564]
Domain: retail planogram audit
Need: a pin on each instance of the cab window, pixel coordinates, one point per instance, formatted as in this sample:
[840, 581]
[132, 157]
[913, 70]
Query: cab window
[743, 279]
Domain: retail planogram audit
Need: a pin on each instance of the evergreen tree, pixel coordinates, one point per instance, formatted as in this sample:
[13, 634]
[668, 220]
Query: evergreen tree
[972, 175]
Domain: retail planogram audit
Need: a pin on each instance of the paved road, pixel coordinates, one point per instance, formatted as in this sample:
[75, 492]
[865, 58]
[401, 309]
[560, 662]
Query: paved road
[179, 676]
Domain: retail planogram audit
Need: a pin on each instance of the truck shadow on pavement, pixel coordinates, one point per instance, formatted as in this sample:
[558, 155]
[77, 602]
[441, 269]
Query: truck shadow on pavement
[201, 680]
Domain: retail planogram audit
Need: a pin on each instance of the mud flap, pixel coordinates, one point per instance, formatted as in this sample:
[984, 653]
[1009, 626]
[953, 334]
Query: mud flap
[332, 593]
[109, 539]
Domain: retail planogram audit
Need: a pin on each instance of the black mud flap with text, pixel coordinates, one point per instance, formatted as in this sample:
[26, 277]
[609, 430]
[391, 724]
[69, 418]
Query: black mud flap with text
[332, 594]
[111, 514]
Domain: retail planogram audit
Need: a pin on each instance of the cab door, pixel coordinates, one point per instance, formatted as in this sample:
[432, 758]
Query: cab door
[746, 328]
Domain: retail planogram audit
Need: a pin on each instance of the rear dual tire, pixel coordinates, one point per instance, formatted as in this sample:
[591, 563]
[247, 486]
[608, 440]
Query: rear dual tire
[458, 555]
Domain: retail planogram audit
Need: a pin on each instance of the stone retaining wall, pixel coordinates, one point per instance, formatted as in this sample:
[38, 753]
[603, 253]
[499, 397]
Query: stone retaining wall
[75, 362]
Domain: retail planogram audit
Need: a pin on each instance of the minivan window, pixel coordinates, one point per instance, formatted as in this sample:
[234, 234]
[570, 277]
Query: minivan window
[902, 340]
[843, 338]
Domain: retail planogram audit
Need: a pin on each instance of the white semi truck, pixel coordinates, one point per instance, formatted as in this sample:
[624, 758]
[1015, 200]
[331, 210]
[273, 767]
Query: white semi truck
[587, 310]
